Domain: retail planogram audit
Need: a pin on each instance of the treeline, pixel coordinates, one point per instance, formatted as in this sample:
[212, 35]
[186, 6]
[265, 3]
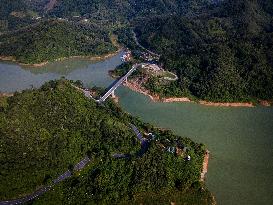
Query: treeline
[44, 40]
[50, 40]
[128, 9]
[44, 132]
[223, 54]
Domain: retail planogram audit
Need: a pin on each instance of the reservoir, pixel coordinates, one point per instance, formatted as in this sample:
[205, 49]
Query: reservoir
[240, 139]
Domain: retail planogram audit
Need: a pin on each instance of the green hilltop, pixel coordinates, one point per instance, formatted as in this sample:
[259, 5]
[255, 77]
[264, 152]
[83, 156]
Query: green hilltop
[53, 39]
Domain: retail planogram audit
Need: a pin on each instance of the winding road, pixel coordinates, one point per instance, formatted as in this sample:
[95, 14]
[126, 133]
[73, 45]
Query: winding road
[144, 141]
[78, 167]
[147, 50]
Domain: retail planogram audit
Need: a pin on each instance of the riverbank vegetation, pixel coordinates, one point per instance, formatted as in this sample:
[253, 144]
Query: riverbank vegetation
[43, 132]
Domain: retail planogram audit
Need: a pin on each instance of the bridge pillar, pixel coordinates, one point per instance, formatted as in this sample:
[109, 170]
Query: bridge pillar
[113, 94]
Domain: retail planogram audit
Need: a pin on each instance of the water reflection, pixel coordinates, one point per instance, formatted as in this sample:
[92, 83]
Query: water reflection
[61, 67]
[15, 78]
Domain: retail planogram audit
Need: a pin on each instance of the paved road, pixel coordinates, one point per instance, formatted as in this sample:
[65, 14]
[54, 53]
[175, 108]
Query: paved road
[27, 198]
[121, 156]
[147, 50]
[79, 166]
[62, 177]
[85, 92]
[138, 134]
[144, 142]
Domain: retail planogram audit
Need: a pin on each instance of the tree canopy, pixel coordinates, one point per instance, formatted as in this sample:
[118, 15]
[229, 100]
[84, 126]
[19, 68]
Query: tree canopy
[52, 39]
[223, 54]
[43, 132]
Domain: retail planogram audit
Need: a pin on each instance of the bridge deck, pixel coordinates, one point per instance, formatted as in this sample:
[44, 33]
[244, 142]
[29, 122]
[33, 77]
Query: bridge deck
[118, 83]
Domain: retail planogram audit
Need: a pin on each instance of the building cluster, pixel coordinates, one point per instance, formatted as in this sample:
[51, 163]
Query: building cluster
[127, 56]
[177, 149]
[36, 17]
[147, 56]
[153, 67]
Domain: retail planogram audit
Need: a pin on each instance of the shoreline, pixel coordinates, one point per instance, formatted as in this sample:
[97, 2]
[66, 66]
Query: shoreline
[3, 94]
[219, 104]
[205, 166]
[37, 65]
[132, 85]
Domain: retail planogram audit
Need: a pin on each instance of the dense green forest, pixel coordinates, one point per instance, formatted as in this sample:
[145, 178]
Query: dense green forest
[18, 13]
[43, 132]
[220, 50]
[224, 54]
[127, 9]
[50, 40]
[29, 35]
[14, 14]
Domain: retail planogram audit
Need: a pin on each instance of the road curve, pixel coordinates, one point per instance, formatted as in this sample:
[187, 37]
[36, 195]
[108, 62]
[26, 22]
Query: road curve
[147, 50]
[79, 166]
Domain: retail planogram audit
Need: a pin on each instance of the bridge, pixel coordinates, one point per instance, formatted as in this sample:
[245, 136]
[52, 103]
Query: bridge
[118, 83]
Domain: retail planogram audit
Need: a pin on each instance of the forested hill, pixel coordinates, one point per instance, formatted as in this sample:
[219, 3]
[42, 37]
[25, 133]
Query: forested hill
[31, 33]
[224, 54]
[53, 39]
[44, 132]
[221, 50]
[14, 14]
[127, 9]
[103, 9]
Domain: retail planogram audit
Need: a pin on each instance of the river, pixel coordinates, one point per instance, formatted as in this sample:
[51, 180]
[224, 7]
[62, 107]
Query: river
[240, 139]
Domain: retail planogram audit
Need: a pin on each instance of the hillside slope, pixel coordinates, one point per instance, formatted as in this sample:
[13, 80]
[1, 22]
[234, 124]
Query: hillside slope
[44, 132]
[50, 40]
[14, 14]
[127, 9]
[222, 55]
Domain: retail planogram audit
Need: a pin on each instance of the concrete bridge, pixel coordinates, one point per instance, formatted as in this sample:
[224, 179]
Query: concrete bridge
[118, 83]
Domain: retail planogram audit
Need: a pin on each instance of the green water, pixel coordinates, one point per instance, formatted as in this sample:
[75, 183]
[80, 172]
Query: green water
[240, 139]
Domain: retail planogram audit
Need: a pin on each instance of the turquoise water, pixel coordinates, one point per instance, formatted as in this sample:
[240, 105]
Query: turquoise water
[240, 139]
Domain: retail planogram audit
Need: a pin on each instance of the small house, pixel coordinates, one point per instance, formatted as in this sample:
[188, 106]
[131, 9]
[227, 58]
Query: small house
[171, 149]
[188, 158]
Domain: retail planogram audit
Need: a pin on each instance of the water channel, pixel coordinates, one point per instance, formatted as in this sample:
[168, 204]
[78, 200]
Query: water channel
[240, 139]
